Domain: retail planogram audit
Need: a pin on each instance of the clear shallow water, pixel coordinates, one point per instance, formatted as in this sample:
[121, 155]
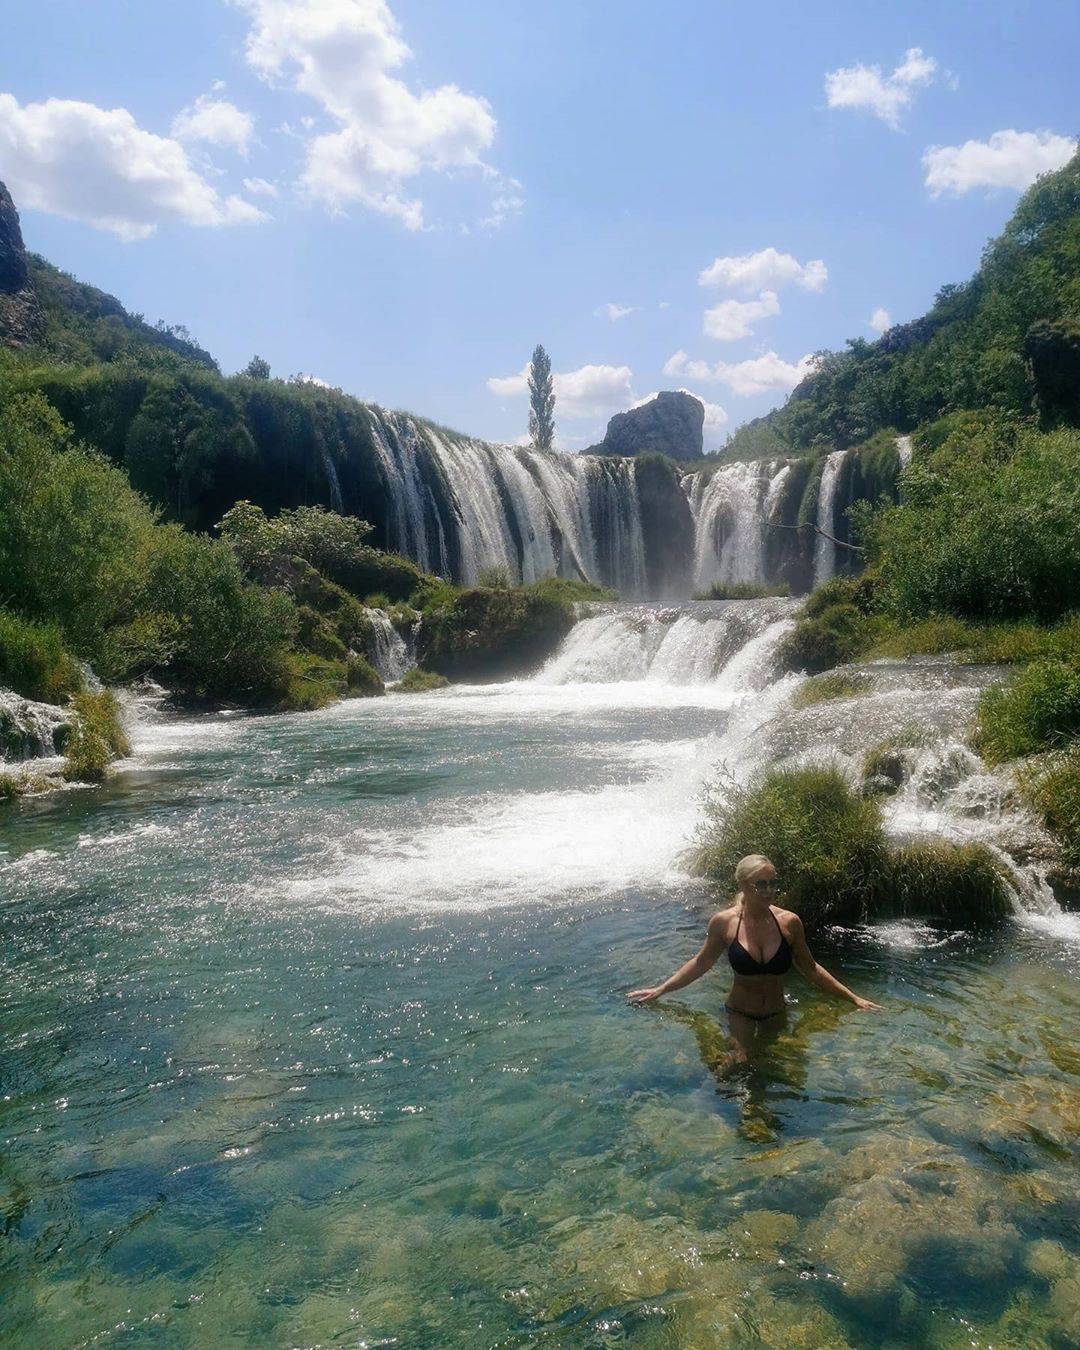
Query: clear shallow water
[313, 1032]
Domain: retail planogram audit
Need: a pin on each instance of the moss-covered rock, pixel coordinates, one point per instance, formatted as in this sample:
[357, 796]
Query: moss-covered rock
[835, 685]
[487, 634]
[667, 526]
[363, 680]
[419, 681]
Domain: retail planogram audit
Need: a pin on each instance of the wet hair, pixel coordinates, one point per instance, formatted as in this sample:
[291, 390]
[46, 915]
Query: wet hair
[746, 867]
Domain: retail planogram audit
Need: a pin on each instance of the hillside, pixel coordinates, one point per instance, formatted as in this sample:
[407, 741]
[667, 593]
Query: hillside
[1007, 339]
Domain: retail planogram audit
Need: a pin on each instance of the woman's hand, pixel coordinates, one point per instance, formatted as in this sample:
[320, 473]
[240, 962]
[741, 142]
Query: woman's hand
[644, 995]
[865, 1005]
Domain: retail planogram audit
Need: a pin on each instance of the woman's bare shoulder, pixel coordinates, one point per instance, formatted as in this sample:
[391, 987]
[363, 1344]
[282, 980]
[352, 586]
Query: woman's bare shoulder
[788, 920]
[721, 921]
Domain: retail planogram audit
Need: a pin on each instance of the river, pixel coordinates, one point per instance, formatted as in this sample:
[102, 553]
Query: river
[314, 1032]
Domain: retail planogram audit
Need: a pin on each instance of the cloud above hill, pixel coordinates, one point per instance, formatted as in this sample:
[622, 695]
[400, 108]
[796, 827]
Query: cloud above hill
[99, 166]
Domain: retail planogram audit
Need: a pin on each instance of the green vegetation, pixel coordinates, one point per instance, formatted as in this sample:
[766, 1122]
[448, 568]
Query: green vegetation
[1038, 710]
[485, 634]
[1008, 339]
[363, 680]
[957, 884]
[825, 688]
[1051, 785]
[884, 765]
[741, 590]
[34, 661]
[418, 681]
[829, 847]
[83, 553]
[97, 737]
[541, 400]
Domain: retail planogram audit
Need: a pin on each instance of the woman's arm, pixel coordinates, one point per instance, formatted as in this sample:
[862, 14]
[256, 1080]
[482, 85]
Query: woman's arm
[694, 969]
[817, 975]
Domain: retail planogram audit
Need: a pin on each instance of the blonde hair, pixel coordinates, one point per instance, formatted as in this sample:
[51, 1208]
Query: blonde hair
[746, 867]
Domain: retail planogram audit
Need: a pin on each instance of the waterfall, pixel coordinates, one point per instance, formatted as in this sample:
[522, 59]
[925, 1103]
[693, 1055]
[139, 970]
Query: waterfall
[675, 644]
[732, 508]
[332, 480]
[30, 730]
[390, 653]
[460, 506]
[825, 549]
[904, 450]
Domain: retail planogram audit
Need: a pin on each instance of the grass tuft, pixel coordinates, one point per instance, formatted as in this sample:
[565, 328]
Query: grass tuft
[97, 737]
[418, 681]
[834, 685]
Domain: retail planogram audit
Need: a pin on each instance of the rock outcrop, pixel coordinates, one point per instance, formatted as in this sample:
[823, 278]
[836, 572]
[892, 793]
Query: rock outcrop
[22, 322]
[669, 424]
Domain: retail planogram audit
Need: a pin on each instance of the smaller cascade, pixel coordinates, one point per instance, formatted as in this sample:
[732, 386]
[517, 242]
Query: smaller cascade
[391, 654]
[904, 450]
[30, 730]
[824, 547]
[694, 644]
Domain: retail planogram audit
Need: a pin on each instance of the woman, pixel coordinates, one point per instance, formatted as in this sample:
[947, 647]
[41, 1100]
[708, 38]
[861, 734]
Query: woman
[762, 943]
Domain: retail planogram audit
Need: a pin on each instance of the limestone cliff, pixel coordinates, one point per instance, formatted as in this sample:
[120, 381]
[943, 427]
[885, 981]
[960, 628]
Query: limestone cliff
[22, 322]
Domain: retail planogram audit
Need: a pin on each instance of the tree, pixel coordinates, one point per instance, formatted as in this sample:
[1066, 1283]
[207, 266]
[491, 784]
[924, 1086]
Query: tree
[257, 369]
[541, 400]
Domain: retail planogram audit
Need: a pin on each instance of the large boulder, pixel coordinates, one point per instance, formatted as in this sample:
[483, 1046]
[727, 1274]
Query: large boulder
[22, 322]
[669, 424]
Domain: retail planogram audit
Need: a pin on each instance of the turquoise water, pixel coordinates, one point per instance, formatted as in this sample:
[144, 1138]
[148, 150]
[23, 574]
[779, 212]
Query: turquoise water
[313, 1033]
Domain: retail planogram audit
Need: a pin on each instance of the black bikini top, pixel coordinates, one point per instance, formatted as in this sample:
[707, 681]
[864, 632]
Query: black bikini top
[742, 963]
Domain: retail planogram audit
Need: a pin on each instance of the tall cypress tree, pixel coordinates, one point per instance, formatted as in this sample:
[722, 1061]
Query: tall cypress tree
[541, 400]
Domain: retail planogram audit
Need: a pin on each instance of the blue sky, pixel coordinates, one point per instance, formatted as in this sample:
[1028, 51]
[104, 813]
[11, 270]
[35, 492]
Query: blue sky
[403, 198]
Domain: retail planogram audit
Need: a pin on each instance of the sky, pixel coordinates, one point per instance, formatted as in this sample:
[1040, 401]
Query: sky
[402, 197]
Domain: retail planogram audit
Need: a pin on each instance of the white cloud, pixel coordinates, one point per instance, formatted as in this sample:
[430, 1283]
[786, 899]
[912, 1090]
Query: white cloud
[342, 53]
[301, 377]
[97, 165]
[215, 121]
[259, 187]
[767, 268]
[1009, 159]
[732, 319]
[589, 391]
[886, 96]
[754, 376]
[880, 320]
[506, 203]
[614, 312]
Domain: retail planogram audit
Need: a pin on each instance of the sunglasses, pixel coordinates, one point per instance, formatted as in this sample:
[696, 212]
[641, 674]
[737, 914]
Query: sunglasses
[769, 884]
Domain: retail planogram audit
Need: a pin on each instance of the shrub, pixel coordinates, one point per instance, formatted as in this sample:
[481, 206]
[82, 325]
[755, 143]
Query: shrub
[1052, 786]
[495, 578]
[363, 680]
[829, 848]
[823, 688]
[310, 682]
[97, 736]
[417, 681]
[826, 842]
[832, 637]
[1039, 710]
[985, 531]
[961, 886]
[570, 589]
[741, 590]
[34, 662]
